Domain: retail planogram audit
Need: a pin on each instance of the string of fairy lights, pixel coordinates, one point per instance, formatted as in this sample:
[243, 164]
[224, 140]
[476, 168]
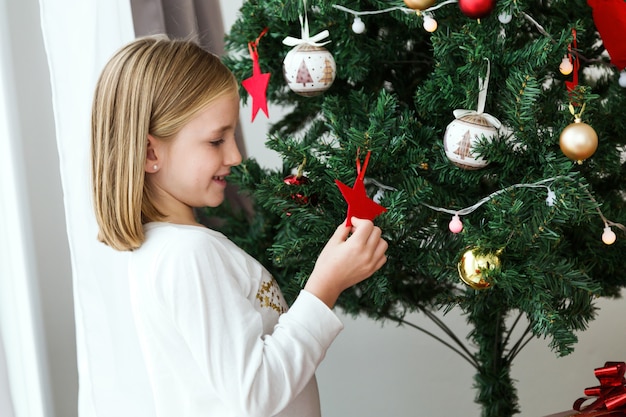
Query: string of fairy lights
[456, 224]
[429, 23]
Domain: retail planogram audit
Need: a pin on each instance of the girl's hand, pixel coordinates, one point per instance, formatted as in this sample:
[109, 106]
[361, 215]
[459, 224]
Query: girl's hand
[351, 255]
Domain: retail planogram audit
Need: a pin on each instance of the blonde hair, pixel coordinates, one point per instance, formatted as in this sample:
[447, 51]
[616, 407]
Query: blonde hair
[154, 86]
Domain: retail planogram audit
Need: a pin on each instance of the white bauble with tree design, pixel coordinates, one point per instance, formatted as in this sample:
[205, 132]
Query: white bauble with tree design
[309, 70]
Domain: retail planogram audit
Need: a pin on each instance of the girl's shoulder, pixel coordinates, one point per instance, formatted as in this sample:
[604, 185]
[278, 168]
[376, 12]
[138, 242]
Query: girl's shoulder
[163, 230]
[182, 239]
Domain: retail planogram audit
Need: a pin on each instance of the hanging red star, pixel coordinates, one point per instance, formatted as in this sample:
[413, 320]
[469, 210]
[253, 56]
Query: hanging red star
[256, 86]
[359, 204]
[609, 17]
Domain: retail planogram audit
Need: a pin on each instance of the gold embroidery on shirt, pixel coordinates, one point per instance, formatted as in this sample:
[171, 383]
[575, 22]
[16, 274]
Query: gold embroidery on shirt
[269, 296]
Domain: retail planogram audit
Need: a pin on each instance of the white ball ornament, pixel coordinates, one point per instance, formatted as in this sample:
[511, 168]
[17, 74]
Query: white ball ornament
[309, 70]
[460, 137]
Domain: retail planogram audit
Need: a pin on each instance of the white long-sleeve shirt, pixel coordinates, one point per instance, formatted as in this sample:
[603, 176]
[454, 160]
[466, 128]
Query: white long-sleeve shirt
[215, 332]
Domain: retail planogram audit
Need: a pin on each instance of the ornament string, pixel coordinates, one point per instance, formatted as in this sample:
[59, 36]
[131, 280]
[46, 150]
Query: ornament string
[391, 9]
[357, 13]
[537, 25]
[483, 83]
[608, 236]
[571, 85]
[305, 37]
[539, 184]
[254, 53]
[361, 171]
[550, 199]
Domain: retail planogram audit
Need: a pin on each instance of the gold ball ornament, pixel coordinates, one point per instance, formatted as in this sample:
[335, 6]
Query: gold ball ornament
[578, 141]
[472, 267]
[419, 4]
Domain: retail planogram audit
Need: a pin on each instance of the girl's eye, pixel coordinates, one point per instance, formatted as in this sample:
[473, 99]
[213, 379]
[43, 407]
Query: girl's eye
[217, 142]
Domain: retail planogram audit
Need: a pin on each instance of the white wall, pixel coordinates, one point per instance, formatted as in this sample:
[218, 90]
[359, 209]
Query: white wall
[371, 370]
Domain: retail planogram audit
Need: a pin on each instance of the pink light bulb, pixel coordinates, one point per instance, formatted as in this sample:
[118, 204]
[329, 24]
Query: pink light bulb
[455, 225]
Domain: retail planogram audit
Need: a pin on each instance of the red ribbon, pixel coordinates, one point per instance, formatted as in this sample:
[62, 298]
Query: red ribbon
[254, 53]
[571, 85]
[361, 171]
[611, 392]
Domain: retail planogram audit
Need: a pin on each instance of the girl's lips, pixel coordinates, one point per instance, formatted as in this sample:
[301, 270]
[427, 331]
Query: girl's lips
[221, 179]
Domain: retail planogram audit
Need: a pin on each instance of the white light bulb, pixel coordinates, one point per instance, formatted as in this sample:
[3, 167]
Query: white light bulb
[358, 26]
[505, 17]
[566, 66]
[430, 24]
[608, 236]
[622, 79]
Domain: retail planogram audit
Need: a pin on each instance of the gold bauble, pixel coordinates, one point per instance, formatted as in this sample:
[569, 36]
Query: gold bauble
[578, 141]
[419, 4]
[472, 267]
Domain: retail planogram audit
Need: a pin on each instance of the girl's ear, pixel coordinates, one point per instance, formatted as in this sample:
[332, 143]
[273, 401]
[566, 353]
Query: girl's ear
[152, 158]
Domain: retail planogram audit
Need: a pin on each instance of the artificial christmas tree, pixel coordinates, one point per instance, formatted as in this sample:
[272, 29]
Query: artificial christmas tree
[521, 234]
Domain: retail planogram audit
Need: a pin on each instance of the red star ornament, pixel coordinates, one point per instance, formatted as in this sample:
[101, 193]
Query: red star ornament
[609, 17]
[256, 86]
[359, 204]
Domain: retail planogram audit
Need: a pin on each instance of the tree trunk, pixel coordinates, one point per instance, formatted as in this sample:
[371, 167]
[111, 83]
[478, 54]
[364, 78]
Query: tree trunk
[496, 392]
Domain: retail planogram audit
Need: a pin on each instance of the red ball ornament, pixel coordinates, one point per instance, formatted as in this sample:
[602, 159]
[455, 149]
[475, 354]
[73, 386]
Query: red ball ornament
[477, 9]
[296, 180]
[299, 197]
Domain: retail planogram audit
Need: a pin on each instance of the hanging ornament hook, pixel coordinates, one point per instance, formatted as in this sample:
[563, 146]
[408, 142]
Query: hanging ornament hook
[571, 53]
[483, 84]
[305, 37]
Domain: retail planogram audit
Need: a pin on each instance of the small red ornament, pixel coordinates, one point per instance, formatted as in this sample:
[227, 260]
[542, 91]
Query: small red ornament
[609, 17]
[477, 9]
[359, 204]
[297, 180]
[256, 85]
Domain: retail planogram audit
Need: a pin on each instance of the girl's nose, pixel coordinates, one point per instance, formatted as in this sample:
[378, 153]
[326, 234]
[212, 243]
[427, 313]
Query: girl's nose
[233, 156]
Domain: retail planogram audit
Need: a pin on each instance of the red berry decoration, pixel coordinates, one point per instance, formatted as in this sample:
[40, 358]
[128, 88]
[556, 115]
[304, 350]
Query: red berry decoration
[477, 9]
[297, 180]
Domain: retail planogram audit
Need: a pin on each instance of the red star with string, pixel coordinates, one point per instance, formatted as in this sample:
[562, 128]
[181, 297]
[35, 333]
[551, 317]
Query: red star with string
[359, 204]
[256, 86]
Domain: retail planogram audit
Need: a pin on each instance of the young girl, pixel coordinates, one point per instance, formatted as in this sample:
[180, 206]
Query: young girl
[215, 332]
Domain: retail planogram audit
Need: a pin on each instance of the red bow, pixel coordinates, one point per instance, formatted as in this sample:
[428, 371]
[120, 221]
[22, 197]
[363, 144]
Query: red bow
[611, 392]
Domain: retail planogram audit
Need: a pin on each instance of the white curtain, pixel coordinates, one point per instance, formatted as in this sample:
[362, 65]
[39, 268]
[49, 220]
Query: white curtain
[21, 375]
[79, 37]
